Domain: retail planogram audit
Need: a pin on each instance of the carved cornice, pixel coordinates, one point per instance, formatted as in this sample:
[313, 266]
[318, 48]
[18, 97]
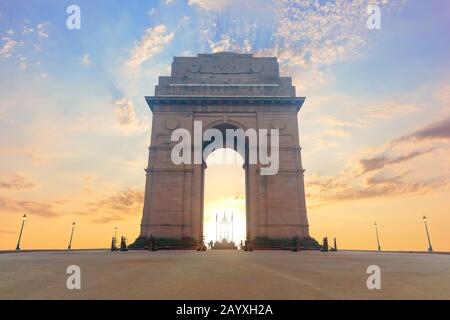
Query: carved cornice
[230, 100]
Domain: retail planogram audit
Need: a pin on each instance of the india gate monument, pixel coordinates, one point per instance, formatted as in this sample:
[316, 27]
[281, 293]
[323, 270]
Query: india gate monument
[224, 91]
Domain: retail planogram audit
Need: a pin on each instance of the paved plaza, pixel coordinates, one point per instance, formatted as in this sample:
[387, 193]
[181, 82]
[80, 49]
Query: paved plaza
[224, 275]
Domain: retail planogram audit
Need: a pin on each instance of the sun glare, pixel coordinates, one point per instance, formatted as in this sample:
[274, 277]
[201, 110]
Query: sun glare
[224, 211]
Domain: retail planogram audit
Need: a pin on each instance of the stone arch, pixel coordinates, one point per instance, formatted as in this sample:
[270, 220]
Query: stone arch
[235, 123]
[224, 90]
[222, 127]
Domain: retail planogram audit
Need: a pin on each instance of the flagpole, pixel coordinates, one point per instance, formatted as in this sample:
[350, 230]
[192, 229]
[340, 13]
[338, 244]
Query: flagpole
[232, 226]
[226, 220]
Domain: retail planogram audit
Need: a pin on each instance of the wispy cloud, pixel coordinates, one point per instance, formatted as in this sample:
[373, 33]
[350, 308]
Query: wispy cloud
[125, 111]
[312, 32]
[152, 42]
[27, 30]
[305, 32]
[211, 5]
[386, 172]
[108, 219]
[127, 118]
[438, 130]
[40, 28]
[380, 162]
[8, 47]
[103, 207]
[226, 43]
[39, 208]
[391, 187]
[339, 123]
[37, 156]
[17, 182]
[117, 206]
[389, 110]
[121, 201]
[324, 190]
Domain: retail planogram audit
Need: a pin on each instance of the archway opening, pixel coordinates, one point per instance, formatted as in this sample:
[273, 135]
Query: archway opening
[224, 212]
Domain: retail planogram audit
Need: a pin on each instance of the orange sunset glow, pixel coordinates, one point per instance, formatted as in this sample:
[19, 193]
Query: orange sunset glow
[374, 129]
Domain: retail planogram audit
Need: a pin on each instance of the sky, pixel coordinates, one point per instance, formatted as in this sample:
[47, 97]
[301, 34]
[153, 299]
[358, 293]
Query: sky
[374, 130]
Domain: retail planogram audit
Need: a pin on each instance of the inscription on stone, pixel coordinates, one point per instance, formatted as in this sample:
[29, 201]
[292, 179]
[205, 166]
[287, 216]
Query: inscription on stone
[225, 67]
[195, 68]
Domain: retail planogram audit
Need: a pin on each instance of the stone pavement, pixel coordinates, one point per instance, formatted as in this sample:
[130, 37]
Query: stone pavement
[224, 275]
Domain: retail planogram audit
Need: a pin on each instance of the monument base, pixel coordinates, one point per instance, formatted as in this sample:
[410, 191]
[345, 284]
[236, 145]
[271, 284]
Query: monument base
[143, 243]
[259, 243]
[306, 243]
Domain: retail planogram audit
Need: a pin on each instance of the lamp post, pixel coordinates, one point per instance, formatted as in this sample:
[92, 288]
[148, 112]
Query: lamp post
[378, 238]
[24, 218]
[71, 236]
[430, 248]
[217, 217]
